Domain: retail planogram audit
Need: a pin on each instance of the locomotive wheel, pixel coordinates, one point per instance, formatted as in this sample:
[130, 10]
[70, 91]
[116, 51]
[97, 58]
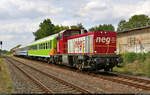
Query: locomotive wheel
[81, 66]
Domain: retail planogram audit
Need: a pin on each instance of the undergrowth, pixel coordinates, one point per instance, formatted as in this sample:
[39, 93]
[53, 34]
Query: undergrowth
[135, 64]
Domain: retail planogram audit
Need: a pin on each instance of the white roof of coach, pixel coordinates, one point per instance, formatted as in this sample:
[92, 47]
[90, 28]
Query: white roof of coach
[43, 39]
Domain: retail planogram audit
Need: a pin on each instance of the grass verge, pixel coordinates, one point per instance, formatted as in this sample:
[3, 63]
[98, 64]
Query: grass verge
[5, 81]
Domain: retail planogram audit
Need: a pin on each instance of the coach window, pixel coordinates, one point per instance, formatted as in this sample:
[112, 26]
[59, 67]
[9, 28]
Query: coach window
[41, 45]
[50, 45]
[35, 47]
[46, 45]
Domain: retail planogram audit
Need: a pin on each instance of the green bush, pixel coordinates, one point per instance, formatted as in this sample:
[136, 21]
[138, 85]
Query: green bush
[130, 57]
[141, 57]
[148, 55]
[135, 63]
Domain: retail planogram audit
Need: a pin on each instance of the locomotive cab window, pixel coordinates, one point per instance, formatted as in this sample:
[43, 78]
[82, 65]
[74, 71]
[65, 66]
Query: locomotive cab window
[72, 33]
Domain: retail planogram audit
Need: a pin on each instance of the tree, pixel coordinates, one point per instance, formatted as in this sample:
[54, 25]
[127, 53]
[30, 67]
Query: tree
[46, 28]
[121, 25]
[135, 21]
[78, 26]
[60, 28]
[104, 27]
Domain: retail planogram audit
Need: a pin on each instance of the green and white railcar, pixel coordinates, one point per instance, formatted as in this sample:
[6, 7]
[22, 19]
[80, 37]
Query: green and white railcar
[43, 47]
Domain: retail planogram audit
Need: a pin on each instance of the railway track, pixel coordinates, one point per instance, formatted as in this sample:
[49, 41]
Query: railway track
[126, 80]
[47, 82]
[118, 78]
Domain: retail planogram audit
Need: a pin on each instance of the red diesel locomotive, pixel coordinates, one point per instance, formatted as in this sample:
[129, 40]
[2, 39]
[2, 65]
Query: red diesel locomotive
[87, 50]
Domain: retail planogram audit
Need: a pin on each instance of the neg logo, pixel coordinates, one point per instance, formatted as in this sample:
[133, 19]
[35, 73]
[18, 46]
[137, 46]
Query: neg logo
[103, 40]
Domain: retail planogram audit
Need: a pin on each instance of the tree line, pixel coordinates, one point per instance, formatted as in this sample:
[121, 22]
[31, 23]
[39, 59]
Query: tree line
[47, 28]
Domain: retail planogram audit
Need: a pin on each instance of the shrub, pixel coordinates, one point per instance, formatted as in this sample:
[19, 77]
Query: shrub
[130, 57]
[141, 57]
[148, 55]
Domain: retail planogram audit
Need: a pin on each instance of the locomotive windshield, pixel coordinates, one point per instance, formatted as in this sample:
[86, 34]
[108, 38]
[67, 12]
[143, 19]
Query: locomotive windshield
[69, 33]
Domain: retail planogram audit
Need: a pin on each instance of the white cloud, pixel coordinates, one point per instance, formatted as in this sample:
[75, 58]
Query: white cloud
[19, 27]
[27, 9]
[104, 11]
[19, 18]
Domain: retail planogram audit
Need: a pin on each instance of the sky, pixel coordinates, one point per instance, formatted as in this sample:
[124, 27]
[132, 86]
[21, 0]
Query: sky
[20, 18]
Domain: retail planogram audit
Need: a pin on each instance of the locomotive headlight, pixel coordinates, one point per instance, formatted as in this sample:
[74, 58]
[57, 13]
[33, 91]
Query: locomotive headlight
[95, 51]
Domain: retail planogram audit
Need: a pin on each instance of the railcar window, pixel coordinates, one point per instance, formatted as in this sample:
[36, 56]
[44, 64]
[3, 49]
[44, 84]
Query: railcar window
[39, 46]
[46, 45]
[42, 45]
[50, 44]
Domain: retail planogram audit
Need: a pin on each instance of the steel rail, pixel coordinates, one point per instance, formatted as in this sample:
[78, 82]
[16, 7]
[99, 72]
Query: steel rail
[137, 85]
[55, 78]
[32, 78]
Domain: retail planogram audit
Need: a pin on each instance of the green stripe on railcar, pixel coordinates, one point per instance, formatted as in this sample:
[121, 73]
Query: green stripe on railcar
[41, 49]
